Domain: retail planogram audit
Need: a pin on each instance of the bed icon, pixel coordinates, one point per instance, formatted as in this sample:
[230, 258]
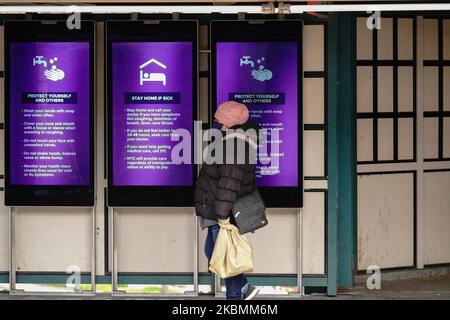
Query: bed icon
[152, 76]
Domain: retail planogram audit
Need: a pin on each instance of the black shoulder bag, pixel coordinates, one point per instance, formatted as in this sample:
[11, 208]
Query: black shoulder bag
[249, 212]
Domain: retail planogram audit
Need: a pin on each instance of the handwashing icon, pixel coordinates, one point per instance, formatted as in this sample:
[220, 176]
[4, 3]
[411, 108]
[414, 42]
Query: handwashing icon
[260, 74]
[38, 60]
[52, 74]
[245, 60]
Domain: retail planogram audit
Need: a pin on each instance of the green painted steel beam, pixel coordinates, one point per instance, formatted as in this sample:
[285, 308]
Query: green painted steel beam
[332, 153]
[346, 129]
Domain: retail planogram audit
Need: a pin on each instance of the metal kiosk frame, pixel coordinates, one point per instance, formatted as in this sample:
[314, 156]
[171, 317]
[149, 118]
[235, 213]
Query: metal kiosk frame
[83, 196]
[141, 30]
[240, 32]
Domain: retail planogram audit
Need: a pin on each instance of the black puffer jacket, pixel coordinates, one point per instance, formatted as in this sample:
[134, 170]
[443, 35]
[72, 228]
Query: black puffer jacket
[219, 185]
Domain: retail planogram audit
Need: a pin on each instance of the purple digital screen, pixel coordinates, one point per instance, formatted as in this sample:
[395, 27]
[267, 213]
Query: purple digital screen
[264, 76]
[152, 95]
[49, 113]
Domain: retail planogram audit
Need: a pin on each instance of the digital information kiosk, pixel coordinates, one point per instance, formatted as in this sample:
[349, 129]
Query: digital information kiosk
[152, 105]
[259, 63]
[49, 120]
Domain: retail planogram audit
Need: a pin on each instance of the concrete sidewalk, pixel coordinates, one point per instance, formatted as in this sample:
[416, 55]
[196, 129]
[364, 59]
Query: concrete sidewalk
[390, 290]
[402, 289]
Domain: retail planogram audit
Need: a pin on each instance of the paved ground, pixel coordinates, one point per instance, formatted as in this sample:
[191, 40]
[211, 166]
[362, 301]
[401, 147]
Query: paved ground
[398, 289]
[403, 289]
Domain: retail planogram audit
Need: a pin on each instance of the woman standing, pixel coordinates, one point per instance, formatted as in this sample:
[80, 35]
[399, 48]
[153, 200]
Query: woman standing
[222, 182]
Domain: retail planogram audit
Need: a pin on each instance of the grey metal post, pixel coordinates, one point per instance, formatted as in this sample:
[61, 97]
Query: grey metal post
[196, 284]
[114, 273]
[93, 250]
[218, 293]
[300, 251]
[12, 252]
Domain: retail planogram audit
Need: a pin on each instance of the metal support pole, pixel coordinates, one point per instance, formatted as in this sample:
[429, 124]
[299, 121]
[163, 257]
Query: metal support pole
[300, 252]
[114, 272]
[218, 293]
[196, 279]
[12, 252]
[93, 250]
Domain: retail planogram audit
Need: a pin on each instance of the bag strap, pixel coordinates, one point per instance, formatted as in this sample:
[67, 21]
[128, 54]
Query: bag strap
[225, 224]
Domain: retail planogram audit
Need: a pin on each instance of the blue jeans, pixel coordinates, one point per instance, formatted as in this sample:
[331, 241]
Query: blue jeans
[234, 284]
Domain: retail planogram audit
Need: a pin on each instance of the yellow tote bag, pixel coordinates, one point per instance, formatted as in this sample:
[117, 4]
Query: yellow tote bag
[232, 254]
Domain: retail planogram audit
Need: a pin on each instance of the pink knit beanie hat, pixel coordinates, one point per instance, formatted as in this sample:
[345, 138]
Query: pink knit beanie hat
[231, 113]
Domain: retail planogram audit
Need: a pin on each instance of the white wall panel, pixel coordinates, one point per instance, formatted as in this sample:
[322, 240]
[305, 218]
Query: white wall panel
[364, 89]
[405, 89]
[363, 40]
[155, 240]
[405, 39]
[385, 89]
[446, 42]
[364, 140]
[385, 40]
[446, 85]
[385, 139]
[430, 128]
[385, 220]
[203, 40]
[314, 233]
[430, 88]
[204, 100]
[446, 136]
[313, 156]
[430, 39]
[4, 236]
[437, 217]
[405, 139]
[313, 48]
[49, 239]
[313, 100]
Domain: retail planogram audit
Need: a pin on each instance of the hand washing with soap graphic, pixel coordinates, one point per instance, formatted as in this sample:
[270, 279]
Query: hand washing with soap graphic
[52, 74]
[260, 74]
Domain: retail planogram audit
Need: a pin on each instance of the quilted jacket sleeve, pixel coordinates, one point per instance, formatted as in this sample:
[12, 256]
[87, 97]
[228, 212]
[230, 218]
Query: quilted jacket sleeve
[231, 176]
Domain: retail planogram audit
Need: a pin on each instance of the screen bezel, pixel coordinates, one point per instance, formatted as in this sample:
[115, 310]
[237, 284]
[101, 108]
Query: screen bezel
[50, 195]
[265, 31]
[150, 31]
